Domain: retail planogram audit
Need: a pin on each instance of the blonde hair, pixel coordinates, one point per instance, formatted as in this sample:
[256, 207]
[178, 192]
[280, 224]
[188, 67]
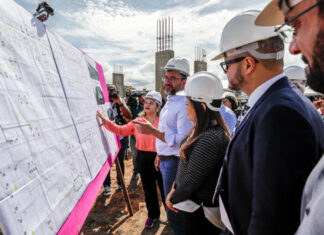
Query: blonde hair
[143, 114]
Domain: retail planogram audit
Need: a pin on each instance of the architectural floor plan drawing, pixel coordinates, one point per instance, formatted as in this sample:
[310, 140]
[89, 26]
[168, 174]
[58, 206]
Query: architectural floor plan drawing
[51, 145]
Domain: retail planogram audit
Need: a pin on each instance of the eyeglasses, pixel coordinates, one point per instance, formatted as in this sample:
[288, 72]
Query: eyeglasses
[225, 64]
[287, 34]
[170, 79]
[288, 22]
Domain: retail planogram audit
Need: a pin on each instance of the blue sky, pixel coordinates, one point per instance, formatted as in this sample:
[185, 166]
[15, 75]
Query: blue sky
[124, 32]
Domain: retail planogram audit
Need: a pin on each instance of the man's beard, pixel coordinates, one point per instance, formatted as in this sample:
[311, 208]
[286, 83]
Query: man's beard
[173, 91]
[238, 82]
[315, 77]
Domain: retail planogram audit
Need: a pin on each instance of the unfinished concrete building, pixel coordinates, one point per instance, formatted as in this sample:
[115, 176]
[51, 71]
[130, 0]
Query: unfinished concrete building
[118, 79]
[164, 50]
[200, 63]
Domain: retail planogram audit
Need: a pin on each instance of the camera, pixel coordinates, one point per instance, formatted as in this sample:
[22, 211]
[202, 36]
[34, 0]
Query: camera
[119, 120]
[113, 95]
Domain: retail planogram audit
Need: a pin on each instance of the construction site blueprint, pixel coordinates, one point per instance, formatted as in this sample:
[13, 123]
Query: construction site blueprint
[51, 146]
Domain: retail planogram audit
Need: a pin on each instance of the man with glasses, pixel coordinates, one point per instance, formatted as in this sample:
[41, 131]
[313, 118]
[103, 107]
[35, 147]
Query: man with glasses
[274, 147]
[174, 126]
[307, 20]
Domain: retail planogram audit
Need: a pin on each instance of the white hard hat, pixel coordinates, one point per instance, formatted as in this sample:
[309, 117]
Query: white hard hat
[228, 94]
[204, 87]
[295, 72]
[154, 95]
[273, 13]
[310, 92]
[178, 64]
[241, 35]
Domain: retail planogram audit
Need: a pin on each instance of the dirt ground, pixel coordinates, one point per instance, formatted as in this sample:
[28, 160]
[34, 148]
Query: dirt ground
[109, 214]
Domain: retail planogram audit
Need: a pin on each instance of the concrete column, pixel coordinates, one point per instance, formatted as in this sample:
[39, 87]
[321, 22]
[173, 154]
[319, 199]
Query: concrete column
[200, 66]
[161, 58]
[118, 81]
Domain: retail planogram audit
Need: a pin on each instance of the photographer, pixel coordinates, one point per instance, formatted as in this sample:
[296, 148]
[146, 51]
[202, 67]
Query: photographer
[135, 102]
[118, 113]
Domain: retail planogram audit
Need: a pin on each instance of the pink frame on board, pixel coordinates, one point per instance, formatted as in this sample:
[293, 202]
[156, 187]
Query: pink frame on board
[78, 215]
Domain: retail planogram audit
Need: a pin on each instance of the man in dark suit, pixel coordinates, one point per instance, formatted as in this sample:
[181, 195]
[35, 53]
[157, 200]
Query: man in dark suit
[307, 19]
[278, 139]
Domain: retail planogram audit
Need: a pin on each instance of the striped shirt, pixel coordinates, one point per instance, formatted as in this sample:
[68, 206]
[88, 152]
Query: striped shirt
[196, 179]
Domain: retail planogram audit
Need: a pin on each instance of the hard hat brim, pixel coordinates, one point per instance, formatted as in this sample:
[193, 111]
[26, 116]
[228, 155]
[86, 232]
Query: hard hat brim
[226, 94]
[270, 15]
[218, 57]
[177, 70]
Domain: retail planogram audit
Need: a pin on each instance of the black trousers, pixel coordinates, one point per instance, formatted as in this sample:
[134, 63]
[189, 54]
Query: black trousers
[121, 156]
[149, 177]
[196, 223]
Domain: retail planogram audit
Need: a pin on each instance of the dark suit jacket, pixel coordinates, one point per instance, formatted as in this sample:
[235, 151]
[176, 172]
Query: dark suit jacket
[268, 160]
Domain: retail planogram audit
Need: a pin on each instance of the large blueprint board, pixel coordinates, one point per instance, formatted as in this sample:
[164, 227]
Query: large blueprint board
[78, 88]
[74, 222]
[51, 146]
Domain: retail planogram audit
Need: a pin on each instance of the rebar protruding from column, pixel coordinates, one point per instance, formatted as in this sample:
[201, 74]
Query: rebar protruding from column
[118, 68]
[200, 54]
[164, 34]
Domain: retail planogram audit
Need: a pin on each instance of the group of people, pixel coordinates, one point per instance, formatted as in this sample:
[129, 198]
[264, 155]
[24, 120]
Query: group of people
[255, 172]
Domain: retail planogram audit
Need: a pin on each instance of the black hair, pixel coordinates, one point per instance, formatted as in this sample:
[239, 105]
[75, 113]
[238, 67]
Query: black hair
[204, 117]
[233, 102]
[183, 76]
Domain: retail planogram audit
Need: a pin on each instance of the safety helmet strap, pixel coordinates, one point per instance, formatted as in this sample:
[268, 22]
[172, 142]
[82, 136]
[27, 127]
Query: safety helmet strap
[252, 49]
[206, 101]
[213, 108]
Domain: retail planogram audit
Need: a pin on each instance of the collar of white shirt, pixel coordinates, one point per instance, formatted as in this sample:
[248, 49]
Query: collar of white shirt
[173, 97]
[260, 90]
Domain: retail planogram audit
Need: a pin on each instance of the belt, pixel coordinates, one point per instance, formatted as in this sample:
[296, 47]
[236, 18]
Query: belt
[167, 158]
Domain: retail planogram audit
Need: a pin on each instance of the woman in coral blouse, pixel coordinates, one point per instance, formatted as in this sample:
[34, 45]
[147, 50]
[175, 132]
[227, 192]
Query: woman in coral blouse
[146, 153]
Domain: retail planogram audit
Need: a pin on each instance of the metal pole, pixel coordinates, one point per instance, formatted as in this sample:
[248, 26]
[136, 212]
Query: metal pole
[169, 47]
[165, 33]
[157, 35]
[162, 34]
[121, 179]
[160, 44]
[172, 33]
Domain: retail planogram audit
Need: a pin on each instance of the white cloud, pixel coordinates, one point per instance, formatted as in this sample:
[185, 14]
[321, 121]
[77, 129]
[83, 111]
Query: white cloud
[113, 32]
[147, 68]
[31, 1]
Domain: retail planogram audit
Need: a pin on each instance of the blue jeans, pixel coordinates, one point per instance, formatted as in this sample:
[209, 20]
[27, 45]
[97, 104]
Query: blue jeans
[134, 153]
[169, 170]
[121, 156]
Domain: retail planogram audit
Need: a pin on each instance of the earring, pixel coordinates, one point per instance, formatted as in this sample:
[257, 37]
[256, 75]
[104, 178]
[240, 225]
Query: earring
[204, 106]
